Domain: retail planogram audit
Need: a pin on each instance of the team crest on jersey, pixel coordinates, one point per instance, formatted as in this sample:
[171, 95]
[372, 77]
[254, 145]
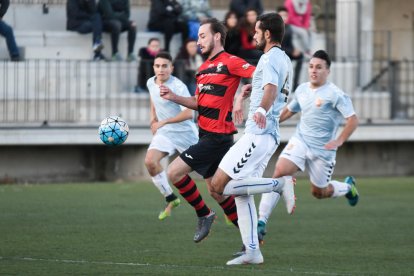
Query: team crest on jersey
[318, 102]
[219, 67]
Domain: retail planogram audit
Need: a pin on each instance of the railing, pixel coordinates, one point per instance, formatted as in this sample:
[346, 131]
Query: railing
[36, 92]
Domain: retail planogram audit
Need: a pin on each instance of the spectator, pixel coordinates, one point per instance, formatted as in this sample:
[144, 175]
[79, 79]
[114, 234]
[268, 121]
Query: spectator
[146, 61]
[187, 63]
[115, 15]
[299, 18]
[83, 17]
[7, 32]
[232, 43]
[165, 17]
[248, 49]
[194, 11]
[241, 6]
[290, 49]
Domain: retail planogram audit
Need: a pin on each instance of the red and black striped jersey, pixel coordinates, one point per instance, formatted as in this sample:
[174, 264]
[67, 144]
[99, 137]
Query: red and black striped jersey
[217, 81]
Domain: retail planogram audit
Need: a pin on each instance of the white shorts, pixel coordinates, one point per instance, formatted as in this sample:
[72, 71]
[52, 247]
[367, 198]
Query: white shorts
[320, 170]
[178, 143]
[249, 156]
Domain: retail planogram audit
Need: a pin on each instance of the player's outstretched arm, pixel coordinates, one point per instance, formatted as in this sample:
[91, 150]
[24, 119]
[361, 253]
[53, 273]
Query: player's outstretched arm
[350, 125]
[186, 114]
[189, 102]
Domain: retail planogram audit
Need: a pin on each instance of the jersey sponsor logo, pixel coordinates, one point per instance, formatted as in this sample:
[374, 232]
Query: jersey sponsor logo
[219, 67]
[244, 159]
[188, 156]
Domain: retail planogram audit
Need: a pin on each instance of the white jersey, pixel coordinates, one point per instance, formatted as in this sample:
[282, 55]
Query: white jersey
[275, 68]
[165, 109]
[322, 110]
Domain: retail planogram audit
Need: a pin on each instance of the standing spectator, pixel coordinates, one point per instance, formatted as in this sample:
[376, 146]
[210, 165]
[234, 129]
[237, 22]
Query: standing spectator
[146, 60]
[288, 46]
[299, 18]
[83, 17]
[7, 32]
[232, 44]
[194, 11]
[248, 50]
[187, 63]
[115, 15]
[241, 6]
[165, 17]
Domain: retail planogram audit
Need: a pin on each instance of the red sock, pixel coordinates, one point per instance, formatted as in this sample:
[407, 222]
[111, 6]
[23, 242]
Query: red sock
[230, 209]
[189, 191]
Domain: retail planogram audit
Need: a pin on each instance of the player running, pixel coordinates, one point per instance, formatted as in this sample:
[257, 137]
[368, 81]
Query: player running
[217, 81]
[241, 169]
[172, 127]
[323, 107]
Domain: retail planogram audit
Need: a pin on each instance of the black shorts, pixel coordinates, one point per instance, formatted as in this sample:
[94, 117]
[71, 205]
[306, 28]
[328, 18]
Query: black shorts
[205, 156]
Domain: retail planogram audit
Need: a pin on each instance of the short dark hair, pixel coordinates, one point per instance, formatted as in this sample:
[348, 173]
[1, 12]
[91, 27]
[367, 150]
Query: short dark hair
[153, 39]
[281, 8]
[272, 22]
[323, 55]
[216, 27]
[165, 55]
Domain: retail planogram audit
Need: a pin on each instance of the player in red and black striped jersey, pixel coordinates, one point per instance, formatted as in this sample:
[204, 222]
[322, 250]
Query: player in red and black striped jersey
[217, 82]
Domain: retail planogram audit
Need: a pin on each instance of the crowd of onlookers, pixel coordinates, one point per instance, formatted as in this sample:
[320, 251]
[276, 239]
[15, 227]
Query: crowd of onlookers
[177, 16]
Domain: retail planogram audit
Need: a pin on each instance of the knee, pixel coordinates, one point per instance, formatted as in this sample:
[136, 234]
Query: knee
[116, 26]
[215, 189]
[317, 192]
[173, 175]
[151, 165]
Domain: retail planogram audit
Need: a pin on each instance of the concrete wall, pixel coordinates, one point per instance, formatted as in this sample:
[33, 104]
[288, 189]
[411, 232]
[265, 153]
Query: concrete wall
[40, 164]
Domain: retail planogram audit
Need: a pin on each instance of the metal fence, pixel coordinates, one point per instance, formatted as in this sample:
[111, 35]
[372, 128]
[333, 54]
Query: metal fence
[36, 92]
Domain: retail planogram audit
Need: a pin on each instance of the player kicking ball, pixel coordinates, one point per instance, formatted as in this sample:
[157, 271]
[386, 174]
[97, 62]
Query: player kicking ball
[241, 169]
[172, 127]
[323, 107]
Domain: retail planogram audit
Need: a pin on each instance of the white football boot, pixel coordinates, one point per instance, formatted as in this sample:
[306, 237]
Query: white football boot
[288, 193]
[250, 257]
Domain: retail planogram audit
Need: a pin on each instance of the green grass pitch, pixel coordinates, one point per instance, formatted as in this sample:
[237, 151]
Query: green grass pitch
[113, 229]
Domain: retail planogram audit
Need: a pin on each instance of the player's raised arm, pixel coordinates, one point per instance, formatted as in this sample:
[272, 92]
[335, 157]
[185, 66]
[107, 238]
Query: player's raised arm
[189, 102]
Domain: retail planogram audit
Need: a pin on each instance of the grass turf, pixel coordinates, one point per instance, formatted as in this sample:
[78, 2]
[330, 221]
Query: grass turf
[113, 229]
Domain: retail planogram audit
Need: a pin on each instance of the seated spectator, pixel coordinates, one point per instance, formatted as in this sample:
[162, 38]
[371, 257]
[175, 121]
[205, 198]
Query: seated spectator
[83, 17]
[232, 43]
[7, 32]
[299, 19]
[290, 49]
[241, 6]
[248, 49]
[146, 61]
[194, 11]
[165, 18]
[187, 63]
[115, 18]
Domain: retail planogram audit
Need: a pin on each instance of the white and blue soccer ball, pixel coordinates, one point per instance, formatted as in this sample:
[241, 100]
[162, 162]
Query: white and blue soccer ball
[113, 131]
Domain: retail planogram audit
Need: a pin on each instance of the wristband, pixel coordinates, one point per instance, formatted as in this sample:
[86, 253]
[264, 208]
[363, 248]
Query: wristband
[261, 110]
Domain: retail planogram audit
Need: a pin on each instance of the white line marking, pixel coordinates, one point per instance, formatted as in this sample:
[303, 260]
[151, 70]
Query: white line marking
[291, 270]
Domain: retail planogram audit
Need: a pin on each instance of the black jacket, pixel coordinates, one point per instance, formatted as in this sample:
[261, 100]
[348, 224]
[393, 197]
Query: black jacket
[78, 11]
[115, 9]
[162, 9]
[241, 6]
[4, 5]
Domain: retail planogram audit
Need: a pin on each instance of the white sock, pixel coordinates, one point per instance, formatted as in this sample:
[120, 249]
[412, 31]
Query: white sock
[267, 204]
[247, 220]
[161, 182]
[340, 188]
[251, 186]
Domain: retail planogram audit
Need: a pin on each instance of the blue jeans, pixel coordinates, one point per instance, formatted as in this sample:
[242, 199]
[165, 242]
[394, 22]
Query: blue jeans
[7, 32]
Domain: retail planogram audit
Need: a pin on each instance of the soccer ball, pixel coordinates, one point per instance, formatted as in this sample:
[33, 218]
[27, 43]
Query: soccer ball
[113, 131]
